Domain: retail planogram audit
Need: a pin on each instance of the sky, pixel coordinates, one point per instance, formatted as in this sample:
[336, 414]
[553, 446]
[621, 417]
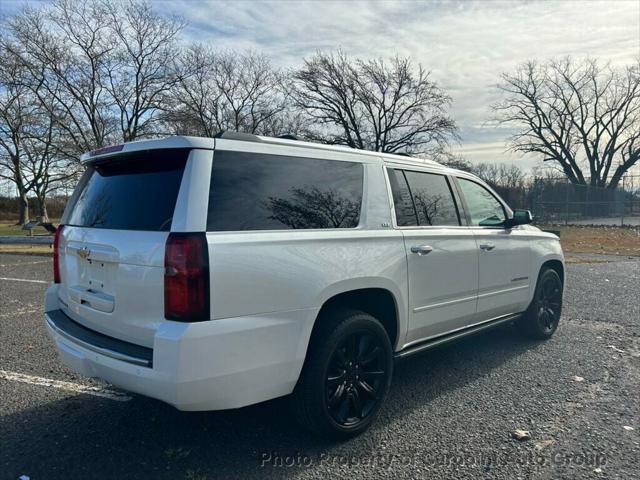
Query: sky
[465, 44]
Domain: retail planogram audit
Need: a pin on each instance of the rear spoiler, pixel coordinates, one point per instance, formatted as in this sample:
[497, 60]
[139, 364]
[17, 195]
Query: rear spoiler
[159, 143]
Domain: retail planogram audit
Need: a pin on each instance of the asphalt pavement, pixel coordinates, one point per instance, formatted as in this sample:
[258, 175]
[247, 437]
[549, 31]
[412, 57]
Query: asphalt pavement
[451, 413]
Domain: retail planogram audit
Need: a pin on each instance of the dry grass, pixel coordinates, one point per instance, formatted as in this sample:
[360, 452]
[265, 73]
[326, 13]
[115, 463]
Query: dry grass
[27, 249]
[603, 240]
[11, 229]
[571, 259]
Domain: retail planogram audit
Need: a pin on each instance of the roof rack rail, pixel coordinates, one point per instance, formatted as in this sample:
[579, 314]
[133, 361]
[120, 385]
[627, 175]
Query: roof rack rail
[404, 154]
[288, 136]
[231, 135]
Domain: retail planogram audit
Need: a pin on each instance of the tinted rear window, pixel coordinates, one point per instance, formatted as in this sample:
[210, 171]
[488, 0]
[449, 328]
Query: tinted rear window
[135, 191]
[251, 191]
[432, 198]
[422, 199]
[406, 215]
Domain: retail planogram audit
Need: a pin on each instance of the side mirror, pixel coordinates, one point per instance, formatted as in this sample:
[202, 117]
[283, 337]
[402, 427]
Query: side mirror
[520, 217]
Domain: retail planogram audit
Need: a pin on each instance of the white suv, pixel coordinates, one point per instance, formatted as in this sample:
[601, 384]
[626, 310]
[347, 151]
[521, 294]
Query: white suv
[214, 273]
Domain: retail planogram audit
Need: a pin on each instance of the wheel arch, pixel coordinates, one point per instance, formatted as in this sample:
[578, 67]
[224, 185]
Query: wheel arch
[545, 254]
[377, 299]
[555, 265]
[553, 261]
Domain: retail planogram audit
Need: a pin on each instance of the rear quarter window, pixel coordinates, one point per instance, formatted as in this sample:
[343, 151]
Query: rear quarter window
[136, 191]
[251, 191]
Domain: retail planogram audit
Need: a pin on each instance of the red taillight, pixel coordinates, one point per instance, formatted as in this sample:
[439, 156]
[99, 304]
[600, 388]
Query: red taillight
[186, 277]
[56, 255]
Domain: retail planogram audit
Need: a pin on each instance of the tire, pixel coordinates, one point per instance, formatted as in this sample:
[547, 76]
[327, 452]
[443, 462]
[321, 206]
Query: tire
[541, 319]
[346, 376]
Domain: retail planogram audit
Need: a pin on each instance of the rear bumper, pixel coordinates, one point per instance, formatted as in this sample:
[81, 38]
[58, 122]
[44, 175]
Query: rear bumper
[81, 336]
[214, 365]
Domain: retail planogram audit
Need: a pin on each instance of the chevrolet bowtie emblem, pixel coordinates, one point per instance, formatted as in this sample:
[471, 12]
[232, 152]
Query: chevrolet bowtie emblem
[84, 252]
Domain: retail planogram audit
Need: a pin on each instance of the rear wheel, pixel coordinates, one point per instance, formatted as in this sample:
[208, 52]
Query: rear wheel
[541, 319]
[346, 375]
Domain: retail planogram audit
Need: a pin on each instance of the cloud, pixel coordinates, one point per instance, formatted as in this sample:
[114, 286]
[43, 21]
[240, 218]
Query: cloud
[465, 44]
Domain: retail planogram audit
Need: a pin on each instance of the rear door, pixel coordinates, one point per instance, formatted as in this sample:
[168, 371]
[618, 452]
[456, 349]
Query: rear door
[442, 255]
[113, 240]
[504, 254]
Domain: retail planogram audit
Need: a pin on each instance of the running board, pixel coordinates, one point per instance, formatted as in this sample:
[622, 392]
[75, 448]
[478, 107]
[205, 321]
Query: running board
[450, 337]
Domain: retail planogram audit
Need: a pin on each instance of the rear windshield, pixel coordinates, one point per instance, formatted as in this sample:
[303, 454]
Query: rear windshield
[136, 191]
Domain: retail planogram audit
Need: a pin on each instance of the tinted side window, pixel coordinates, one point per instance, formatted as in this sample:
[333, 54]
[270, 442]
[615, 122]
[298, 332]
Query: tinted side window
[485, 210]
[432, 198]
[133, 191]
[405, 212]
[251, 191]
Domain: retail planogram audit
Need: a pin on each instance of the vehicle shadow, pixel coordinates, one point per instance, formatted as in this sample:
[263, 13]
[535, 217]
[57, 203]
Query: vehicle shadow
[88, 437]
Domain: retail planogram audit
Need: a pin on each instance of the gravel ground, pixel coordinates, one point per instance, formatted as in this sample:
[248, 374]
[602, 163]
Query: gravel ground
[450, 412]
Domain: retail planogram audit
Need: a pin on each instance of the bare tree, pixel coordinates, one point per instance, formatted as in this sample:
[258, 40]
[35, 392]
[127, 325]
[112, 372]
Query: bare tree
[195, 98]
[500, 175]
[66, 48]
[15, 113]
[373, 104]
[108, 65]
[453, 161]
[583, 117]
[44, 168]
[93, 73]
[142, 69]
[29, 139]
[226, 91]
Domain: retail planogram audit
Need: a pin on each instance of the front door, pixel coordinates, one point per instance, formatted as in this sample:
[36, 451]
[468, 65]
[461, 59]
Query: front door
[504, 254]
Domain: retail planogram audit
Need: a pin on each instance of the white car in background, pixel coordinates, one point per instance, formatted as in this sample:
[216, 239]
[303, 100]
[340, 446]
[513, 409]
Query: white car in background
[214, 273]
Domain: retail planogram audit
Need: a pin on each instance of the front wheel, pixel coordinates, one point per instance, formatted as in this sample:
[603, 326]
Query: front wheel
[541, 319]
[346, 375]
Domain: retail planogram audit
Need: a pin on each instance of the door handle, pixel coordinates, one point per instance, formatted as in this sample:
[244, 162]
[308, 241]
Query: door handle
[487, 247]
[422, 250]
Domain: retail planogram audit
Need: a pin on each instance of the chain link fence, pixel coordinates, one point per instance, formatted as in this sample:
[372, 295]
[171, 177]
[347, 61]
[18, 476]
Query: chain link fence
[557, 201]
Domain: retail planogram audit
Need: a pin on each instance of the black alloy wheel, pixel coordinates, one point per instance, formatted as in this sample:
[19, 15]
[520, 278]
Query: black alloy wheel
[355, 378]
[541, 319]
[346, 375]
[549, 303]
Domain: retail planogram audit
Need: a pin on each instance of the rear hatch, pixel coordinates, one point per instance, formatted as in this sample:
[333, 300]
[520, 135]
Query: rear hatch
[113, 241]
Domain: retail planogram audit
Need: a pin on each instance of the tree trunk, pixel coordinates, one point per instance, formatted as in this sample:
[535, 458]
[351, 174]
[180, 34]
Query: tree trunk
[23, 201]
[617, 176]
[24, 208]
[42, 208]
